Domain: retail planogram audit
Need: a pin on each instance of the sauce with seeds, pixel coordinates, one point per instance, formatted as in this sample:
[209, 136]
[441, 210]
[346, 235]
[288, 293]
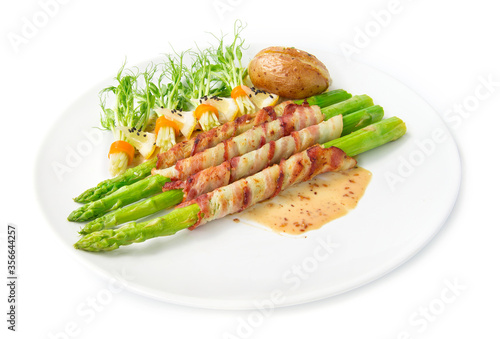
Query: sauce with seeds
[310, 205]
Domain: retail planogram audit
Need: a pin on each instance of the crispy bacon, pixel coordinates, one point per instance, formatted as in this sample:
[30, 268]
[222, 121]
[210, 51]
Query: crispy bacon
[250, 163]
[296, 118]
[210, 138]
[269, 182]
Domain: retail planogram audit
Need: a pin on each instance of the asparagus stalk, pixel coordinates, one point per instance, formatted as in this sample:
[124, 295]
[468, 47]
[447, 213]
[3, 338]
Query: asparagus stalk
[109, 186]
[173, 197]
[135, 211]
[351, 105]
[124, 196]
[370, 137]
[326, 99]
[143, 170]
[111, 239]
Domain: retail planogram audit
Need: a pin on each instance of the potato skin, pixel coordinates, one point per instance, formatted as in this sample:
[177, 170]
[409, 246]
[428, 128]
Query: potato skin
[288, 72]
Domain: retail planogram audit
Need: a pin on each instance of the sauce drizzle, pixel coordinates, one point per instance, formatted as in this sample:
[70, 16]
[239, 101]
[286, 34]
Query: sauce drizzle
[310, 205]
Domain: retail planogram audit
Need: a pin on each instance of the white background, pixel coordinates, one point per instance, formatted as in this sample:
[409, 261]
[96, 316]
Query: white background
[441, 49]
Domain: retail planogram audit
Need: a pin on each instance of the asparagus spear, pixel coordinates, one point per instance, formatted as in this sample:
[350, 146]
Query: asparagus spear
[111, 239]
[353, 104]
[124, 196]
[135, 211]
[326, 99]
[357, 142]
[370, 137]
[108, 186]
[143, 170]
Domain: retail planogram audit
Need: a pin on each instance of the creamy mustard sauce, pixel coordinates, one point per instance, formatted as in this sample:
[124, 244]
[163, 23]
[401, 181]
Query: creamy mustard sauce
[310, 205]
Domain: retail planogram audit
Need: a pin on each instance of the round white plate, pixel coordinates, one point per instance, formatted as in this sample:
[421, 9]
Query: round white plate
[228, 265]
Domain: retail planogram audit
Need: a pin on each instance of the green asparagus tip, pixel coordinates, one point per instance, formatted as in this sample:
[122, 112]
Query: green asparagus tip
[97, 242]
[75, 215]
[92, 227]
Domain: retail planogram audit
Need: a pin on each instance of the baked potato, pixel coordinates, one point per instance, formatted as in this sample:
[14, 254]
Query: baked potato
[288, 72]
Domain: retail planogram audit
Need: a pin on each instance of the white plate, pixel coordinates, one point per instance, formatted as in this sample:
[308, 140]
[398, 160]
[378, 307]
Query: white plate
[228, 265]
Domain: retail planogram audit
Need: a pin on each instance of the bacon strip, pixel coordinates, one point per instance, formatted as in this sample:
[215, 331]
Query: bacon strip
[296, 117]
[210, 138]
[269, 182]
[255, 161]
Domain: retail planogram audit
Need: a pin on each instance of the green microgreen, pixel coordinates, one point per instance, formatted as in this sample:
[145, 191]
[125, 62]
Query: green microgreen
[133, 105]
[229, 68]
[200, 79]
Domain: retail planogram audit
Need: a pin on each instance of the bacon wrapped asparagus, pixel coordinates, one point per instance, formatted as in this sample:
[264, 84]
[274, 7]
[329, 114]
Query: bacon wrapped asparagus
[136, 190]
[357, 142]
[226, 200]
[201, 142]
